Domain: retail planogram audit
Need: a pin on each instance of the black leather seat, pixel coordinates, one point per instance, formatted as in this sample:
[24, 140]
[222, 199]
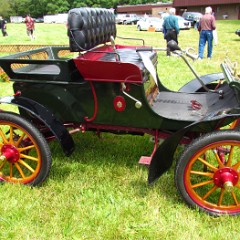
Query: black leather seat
[89, 27]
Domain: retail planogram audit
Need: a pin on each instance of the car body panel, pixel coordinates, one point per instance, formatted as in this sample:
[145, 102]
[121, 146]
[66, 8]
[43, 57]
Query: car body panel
[183, 24]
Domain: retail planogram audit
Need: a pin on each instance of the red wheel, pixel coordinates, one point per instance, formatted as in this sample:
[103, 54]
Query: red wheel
[24, 153]
[207, 174]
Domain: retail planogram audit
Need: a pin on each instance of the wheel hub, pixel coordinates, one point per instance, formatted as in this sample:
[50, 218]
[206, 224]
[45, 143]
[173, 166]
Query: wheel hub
[9, 153]
[226, 178]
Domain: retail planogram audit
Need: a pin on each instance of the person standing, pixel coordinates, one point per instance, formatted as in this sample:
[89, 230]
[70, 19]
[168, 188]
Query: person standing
[171, 28]
[206, 26]
[30, 26]
[3, 26]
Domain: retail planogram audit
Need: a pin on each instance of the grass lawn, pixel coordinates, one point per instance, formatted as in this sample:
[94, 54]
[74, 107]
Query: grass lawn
[101, 192]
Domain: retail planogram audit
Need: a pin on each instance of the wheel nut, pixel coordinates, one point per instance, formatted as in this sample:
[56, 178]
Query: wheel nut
[228, 186]
[2, 158]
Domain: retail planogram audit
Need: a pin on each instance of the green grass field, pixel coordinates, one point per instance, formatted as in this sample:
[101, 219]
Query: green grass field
[101, 192]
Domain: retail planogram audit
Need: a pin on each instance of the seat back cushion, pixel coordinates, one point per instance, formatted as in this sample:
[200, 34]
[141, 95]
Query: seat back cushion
[89, 27]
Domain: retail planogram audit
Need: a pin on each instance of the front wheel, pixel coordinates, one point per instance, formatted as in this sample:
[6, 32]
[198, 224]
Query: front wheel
[207, 174]
[24, 153]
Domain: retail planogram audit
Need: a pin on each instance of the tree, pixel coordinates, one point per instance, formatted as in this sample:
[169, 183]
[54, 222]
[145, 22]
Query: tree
[39, 8]
[5, 9]
[20, 7]
[38, 11]
[56, 6]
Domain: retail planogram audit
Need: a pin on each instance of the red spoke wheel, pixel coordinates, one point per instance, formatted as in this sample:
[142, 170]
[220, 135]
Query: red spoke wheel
[24, 153]
[207, 174]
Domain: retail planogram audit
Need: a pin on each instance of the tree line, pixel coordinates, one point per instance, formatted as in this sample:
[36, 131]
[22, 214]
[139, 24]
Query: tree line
[39, 8]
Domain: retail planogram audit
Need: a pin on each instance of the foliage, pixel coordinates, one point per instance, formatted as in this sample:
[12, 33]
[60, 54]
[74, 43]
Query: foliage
[5, 9]
[4, 77]
[39, 8]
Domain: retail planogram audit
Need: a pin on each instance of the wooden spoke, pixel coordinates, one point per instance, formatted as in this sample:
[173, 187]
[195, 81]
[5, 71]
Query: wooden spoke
[208, 164]
[10, 141]
[229, 161]
[26, 165]
[20, 139]
[29, 157]
[220, 163]
[202, 184]
[207, 174]
[26, 148]
[5, 141]
[221, 197]
[209, 192]
[19, 170]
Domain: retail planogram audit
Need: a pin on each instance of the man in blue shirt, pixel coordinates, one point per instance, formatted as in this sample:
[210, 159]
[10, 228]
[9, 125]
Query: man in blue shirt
[171, 28]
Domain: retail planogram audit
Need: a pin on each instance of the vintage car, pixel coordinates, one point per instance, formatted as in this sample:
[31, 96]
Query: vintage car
[115, 88]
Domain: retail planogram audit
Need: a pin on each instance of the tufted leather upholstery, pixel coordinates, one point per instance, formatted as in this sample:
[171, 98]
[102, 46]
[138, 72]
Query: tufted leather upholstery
[89, 27]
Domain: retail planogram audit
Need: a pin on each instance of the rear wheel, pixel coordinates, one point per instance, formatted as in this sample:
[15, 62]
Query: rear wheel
[24, 153]
[207, 173]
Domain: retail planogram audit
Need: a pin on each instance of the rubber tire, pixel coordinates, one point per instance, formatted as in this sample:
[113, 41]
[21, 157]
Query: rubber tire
[186, 156]
[40, 141]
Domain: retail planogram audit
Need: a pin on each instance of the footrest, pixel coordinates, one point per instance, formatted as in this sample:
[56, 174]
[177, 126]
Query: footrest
[145, 160]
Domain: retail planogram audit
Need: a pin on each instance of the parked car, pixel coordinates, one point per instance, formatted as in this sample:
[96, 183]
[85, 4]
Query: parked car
[122, 18]
[145, 23]
[163, 14]
[39, 20]
[183, 24]
[193, 17]
[238, 32]
[131, 21]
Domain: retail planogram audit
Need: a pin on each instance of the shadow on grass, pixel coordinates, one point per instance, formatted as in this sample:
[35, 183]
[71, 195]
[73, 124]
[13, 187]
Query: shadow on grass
[112, 160]
[107, 152]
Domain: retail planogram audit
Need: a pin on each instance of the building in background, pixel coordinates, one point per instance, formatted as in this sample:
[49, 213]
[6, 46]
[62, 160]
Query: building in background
[16, 19]
[145, 9]
[57, 18]
[223, 9]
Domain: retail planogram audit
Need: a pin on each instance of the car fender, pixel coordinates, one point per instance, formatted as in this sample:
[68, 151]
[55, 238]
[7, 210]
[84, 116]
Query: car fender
[45, 116]
[194, 85]
[162, 159]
